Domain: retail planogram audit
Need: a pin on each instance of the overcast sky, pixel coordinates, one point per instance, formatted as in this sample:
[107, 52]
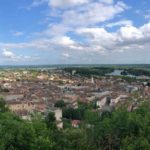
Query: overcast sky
[74, 32]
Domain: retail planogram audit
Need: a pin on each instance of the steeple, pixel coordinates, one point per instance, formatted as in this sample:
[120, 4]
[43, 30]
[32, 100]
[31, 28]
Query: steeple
[92, 80]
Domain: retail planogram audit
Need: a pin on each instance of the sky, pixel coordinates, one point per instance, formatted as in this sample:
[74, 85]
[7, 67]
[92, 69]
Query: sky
[36, 32]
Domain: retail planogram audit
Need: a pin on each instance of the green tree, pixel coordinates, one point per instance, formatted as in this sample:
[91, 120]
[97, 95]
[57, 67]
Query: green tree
[3, 106]
[60, 104]
[50, 120]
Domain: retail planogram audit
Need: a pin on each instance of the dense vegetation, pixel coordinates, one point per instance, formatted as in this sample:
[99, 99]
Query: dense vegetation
[127, 78]
[88, 71]
[60, 104]
[98, 131]
[136, 72]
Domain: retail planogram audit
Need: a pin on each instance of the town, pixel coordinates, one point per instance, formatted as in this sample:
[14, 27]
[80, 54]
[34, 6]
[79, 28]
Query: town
[74, 75]
[29, 91]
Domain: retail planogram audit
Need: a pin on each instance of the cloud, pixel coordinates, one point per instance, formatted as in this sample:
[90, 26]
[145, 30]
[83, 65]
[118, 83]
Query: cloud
[98, 37]
[92, 13]
[126, 38]
[130, 33]
[18, 33]
[66, 3]
[95, 42]
[93, 39]
[66, 55]
[65, 41]
[59, 3]
[56, 30]
[107, 1]
[146, 30]
[147, 16]
[37, 3]
[10, 56]
[87, 12]
[120, 23]
[83, 29]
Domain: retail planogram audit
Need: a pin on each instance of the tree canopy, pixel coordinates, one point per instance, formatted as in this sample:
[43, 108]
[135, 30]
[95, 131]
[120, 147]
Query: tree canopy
[121, 130]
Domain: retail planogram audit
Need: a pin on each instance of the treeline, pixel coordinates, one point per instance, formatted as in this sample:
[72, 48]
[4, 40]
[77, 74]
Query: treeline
[102, 71]
[136, 72]
[119, 130]
[127, 78]
[88, 71]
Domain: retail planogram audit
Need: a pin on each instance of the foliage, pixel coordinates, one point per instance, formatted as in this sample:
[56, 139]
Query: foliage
[50, 120]
[120, 130]
[60, 104]
[88, 71]
[73, 114]
[3, 107]
[128, 79]
[136, 72]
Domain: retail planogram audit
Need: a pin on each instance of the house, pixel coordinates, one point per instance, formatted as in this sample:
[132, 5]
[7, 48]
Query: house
[58, 116]
[75, 123]
[13, 97]
[100, 103]
[118, 99]
[24, 114]
[131, 89]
